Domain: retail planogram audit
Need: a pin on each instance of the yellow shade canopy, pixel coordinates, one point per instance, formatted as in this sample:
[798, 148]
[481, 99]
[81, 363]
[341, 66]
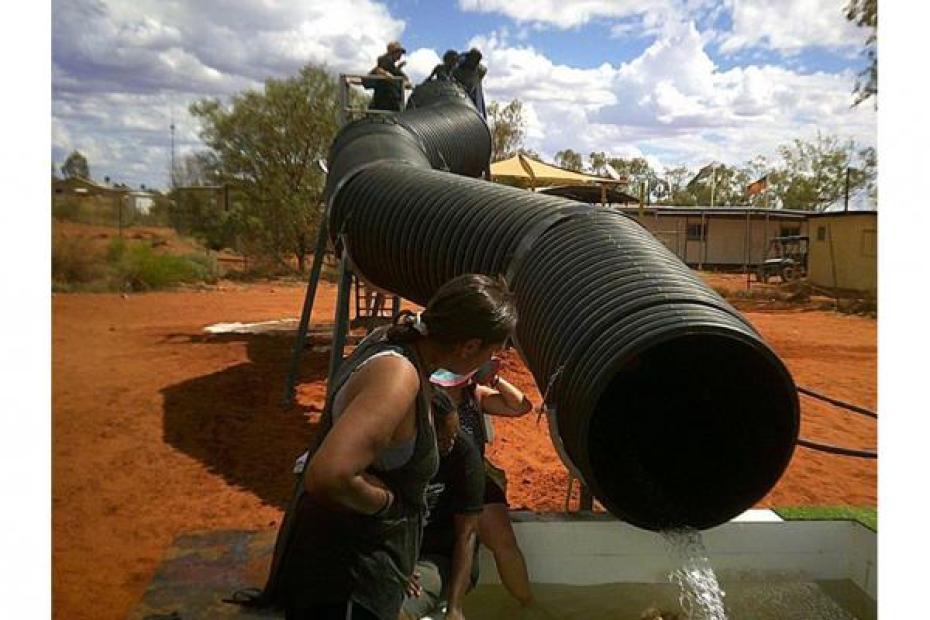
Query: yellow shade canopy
[526, 171]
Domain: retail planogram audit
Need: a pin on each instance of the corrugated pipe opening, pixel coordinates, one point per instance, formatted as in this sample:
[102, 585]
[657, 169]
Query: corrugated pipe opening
[690, 431]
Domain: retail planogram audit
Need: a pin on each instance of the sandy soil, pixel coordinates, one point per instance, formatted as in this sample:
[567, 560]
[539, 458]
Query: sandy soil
[159, 429]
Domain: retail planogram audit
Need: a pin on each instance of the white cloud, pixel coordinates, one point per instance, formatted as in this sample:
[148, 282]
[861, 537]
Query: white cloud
[122, 69]
[420, 63]
[571, 14]
[789, 25]
[167, 54]
[526, 73]
[784, 25]
[672, 103]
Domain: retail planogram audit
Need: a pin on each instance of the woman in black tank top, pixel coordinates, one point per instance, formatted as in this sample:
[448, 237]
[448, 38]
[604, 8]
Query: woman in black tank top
[357, 527]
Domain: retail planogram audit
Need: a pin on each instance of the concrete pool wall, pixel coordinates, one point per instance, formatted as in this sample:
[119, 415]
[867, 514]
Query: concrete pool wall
[577, 549]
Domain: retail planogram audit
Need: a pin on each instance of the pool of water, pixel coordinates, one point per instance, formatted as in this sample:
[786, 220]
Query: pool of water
[821, 600]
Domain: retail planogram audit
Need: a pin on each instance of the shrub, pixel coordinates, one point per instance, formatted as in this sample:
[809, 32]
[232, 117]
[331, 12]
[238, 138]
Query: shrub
[139, 268]
[74, 261]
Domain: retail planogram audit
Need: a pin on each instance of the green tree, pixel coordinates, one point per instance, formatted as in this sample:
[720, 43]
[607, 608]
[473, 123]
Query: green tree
[726, 187]
[508, 129]
[812, 175]
[677, 178]
[634, 167]
[196, 170]
[569, 159]
[598, 162]
[266, 146]
[864, 13]
[643, 182]
[75, 166]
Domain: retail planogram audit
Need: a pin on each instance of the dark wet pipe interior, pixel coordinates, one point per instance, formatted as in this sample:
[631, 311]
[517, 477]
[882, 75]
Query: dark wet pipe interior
[666, 401]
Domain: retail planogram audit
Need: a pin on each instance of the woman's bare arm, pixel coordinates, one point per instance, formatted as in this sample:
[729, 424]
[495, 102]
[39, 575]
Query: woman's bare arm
[386, 396]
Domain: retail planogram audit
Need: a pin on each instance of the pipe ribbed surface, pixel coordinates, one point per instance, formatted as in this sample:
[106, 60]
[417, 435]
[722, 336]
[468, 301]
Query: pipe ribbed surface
[666, 401]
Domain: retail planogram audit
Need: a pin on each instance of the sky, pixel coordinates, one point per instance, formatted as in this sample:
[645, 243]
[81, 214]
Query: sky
[675, 81]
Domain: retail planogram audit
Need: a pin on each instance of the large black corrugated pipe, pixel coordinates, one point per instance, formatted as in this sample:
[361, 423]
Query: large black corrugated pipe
[664, 400]
[678, 413]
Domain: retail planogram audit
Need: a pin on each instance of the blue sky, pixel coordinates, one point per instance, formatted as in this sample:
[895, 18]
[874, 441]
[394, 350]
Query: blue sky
[676, 81]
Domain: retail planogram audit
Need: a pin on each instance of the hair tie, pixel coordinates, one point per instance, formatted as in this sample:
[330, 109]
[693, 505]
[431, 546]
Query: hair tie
[418, 324]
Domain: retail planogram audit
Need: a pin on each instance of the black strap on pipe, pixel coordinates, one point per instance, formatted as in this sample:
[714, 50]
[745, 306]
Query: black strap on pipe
[531, 236]
[825, 447]
[838, 403]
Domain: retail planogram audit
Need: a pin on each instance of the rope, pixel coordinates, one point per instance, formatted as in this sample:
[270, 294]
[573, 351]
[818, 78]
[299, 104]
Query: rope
[825, 447]
[838, 403]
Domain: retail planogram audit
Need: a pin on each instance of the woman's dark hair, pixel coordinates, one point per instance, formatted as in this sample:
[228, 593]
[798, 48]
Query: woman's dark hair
[468, 306]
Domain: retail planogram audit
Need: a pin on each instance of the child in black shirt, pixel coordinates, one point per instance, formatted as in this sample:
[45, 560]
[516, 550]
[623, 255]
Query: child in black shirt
[448, 566]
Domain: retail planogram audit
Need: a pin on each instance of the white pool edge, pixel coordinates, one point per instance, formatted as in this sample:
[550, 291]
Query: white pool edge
[579, 550]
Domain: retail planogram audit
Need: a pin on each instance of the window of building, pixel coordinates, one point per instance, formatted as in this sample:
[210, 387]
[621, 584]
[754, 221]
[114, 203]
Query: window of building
[869, 243]
[790, 231]
[821, 233]
[697, 232]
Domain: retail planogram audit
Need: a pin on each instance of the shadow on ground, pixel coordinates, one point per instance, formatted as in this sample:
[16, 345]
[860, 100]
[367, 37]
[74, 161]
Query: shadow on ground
[233, 421]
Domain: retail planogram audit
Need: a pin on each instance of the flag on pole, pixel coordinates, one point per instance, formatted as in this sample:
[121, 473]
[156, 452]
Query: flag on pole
[757, 187]
[704, 172]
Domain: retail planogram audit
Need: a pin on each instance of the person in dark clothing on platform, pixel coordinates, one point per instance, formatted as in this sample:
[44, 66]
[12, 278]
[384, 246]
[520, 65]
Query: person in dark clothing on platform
[444, 70]
[389, 94]
[470, 73]
[448, 564]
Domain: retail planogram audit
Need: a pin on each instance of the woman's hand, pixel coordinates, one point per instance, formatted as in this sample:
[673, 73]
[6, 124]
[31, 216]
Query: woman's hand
[413, 589]
[487, 373]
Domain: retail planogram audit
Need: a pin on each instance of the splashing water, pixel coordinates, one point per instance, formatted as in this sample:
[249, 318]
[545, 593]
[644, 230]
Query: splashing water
[699, 595]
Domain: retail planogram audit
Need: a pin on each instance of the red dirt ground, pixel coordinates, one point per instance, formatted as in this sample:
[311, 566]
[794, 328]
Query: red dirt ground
[159, 429]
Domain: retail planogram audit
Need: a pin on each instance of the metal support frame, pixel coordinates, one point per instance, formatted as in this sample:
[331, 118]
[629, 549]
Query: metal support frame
[304, 325]
[341, 329]
[341, 323]
[347, 80]
[373, 307]
[586, 500]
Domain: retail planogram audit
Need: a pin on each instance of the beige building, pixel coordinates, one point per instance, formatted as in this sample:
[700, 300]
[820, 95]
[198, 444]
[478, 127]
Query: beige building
[844, 251]
[730, 238]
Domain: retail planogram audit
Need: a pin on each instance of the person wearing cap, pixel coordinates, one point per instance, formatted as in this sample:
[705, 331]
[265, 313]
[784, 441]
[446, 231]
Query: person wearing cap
[389, 94]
